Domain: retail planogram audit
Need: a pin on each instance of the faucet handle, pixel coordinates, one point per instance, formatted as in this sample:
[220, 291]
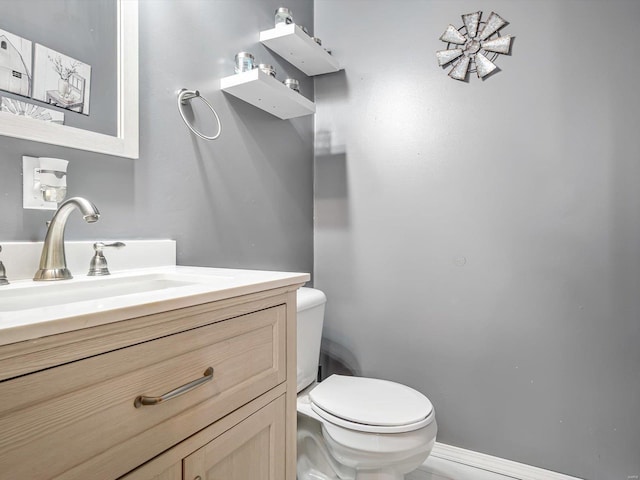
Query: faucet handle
[98, 265]
[98, 246]
[3, 272]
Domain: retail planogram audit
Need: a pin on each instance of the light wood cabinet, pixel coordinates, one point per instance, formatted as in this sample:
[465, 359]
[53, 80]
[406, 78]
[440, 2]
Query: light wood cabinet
[71, 412]
[253, 449]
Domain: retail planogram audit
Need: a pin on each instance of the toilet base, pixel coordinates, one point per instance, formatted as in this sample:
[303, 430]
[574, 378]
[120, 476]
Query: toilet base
[314, 462]
[318, 455]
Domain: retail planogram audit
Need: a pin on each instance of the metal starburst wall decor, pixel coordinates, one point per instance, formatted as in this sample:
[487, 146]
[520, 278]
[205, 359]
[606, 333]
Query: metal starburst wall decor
[474, 46]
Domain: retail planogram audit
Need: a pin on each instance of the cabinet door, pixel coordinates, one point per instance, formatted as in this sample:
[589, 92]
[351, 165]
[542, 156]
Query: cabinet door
[253, 449]
[172, 473]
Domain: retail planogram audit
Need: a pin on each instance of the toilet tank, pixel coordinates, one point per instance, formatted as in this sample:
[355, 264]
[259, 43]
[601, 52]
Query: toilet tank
[311, 304]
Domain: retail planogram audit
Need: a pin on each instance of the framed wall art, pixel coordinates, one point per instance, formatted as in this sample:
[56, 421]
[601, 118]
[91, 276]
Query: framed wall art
[15, 64]
[61, 80]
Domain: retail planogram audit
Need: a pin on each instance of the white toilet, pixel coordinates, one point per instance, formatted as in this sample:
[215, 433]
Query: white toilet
[353, 428]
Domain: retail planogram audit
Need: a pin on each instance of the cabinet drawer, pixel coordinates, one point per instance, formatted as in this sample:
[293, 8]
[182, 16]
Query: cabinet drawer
[79, 420]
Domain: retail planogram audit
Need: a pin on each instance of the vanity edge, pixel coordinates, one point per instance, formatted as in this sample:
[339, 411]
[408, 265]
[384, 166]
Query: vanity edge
[37, 323]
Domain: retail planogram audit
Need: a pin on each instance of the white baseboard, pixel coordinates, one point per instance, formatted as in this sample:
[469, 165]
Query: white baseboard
[490, 467]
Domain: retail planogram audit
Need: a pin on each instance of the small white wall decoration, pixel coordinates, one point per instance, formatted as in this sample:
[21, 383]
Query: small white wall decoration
[474, 47]
[26, 109]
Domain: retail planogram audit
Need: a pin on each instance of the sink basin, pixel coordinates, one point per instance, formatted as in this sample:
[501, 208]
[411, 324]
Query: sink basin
[60, 293]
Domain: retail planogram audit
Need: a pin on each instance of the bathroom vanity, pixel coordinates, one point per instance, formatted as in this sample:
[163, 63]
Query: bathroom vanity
[86, 385]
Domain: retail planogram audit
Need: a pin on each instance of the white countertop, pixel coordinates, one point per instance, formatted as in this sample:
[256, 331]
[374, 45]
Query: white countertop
[31, 310]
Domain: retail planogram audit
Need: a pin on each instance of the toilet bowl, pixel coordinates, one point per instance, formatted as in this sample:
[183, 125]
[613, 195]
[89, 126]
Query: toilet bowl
[354, 428]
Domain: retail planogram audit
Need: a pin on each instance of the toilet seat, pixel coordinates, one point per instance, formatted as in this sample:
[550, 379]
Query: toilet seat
[371, 405]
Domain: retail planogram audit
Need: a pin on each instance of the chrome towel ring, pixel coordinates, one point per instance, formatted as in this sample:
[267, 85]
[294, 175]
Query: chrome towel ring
[184, 96]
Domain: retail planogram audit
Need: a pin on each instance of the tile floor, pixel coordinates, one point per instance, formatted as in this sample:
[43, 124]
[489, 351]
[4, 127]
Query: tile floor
[438, 469]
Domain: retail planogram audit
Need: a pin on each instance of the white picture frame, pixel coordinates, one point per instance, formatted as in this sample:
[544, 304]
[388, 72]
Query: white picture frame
[125, 143]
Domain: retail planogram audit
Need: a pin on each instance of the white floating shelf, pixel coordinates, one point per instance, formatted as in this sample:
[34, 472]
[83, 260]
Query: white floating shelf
[265, 92]
[298, 48]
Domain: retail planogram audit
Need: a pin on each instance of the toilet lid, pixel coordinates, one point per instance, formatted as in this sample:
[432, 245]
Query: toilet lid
[369, 401]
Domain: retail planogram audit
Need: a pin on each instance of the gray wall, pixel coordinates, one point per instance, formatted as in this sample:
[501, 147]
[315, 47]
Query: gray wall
[244, 200]
[481, 242]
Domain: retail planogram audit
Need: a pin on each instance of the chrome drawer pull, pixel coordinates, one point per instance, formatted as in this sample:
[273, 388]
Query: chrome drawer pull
[142, 400]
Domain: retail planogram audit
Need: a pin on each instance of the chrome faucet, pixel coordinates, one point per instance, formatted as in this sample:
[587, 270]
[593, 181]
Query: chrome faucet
[53, 263]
